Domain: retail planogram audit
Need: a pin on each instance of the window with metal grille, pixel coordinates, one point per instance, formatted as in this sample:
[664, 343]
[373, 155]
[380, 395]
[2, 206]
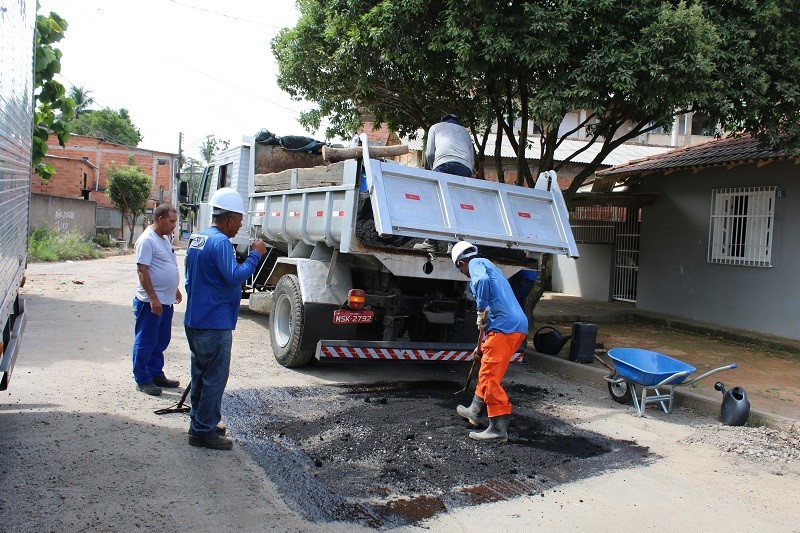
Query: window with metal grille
[740, 231]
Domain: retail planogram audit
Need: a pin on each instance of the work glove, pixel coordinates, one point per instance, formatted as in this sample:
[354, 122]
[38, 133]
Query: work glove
[476, 353]
[483, 316]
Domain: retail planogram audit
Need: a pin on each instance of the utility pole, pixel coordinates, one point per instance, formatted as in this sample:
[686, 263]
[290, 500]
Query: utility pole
[177, 186]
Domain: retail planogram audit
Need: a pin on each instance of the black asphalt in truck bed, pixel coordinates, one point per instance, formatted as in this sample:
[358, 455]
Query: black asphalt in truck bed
[391, 454]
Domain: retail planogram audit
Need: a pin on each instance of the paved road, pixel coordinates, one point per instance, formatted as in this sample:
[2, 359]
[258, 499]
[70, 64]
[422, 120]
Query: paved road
[83, 451]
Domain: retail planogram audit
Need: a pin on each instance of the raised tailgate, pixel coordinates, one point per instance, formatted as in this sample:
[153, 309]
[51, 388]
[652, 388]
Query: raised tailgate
[421, 203]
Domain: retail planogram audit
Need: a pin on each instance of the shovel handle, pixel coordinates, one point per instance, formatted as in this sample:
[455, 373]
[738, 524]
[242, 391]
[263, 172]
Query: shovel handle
[475, 359]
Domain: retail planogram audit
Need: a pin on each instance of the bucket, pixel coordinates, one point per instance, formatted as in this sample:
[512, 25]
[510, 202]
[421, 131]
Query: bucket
[735, 405]
[549, 341]
[584, 341]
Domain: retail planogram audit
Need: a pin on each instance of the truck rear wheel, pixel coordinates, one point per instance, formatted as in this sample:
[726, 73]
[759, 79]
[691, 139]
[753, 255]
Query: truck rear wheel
[286, 324]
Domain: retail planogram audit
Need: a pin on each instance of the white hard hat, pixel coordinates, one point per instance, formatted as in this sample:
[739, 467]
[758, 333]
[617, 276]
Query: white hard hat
[463, 250]
[227, 199]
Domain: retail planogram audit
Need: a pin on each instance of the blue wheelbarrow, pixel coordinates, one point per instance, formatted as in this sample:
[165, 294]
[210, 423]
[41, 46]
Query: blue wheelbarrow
[650, 371]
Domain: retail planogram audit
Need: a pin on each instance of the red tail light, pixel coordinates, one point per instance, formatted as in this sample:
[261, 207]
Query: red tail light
[356, 299]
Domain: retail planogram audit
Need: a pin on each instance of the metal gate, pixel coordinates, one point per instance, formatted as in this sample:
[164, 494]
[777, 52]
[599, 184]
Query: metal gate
[619, 227]
[626, 254]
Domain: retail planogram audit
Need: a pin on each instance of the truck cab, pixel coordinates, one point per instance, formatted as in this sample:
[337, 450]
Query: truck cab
[229, 168]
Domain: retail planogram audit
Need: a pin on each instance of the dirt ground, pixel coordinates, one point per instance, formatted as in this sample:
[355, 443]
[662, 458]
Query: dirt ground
[770, 377]
[84, 451]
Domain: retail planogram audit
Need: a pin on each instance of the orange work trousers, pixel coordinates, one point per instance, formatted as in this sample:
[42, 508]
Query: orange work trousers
[497, 351]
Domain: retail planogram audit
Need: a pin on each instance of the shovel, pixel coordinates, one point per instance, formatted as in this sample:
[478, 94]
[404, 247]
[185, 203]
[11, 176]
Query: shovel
[475, 363]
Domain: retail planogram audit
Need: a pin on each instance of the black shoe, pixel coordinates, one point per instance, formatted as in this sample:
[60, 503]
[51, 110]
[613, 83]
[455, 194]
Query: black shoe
[220, 430]
[149, 388]
[214, 442]
[162, 381]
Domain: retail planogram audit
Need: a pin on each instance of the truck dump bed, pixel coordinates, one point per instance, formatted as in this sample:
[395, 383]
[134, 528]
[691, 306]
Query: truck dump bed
[412, 202]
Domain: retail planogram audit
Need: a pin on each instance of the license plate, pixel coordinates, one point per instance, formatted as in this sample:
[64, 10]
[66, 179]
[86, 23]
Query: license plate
[341, 316]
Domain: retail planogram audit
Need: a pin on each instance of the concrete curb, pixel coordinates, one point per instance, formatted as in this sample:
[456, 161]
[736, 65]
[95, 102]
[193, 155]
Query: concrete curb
[594, 374]
[677, 323]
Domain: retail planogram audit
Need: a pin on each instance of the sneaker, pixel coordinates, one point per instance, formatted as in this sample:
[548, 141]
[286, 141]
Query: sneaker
[425, 246]
[149, 388]
[163, 381]
[220, 430]
[214, 442]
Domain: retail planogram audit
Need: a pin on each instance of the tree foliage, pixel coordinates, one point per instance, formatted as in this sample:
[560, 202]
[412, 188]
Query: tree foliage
[110, 125]
[632, 66]
[129, 189]
[53, 106]
[80, 95]
[211, 146]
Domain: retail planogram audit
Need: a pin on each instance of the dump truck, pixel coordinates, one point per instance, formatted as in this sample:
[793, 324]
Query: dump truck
[16, 140]
[342, 277]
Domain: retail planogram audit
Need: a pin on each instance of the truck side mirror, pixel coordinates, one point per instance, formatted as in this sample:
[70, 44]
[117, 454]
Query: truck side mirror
[183, 192]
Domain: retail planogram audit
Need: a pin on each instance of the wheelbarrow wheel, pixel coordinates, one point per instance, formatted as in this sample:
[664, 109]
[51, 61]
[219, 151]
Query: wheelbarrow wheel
[621, 392]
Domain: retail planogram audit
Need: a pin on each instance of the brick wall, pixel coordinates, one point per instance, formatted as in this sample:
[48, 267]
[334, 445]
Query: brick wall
[71, 178]
[90, 155]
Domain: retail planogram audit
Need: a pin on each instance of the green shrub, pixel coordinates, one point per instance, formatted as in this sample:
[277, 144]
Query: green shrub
[45, 244]
[102, 239]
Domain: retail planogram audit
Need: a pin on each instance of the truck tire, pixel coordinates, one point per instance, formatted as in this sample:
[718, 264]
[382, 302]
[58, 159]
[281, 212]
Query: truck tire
[286, 324]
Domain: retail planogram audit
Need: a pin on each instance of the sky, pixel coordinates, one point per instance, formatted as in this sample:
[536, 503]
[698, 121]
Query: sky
[196, 67]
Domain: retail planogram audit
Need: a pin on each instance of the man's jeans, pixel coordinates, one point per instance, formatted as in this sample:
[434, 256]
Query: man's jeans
[211, 363]
[152, 334]
[454, 168]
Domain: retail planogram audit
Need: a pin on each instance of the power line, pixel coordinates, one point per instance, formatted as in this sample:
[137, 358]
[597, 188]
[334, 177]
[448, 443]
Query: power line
[226, 15]
[223, 82]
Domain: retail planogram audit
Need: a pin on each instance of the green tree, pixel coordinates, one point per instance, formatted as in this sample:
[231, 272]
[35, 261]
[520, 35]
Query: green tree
[53, 107]
[80, 95]
[632, 66]
[210, 147]
[350, 57]
[114, 126]
[129, 189]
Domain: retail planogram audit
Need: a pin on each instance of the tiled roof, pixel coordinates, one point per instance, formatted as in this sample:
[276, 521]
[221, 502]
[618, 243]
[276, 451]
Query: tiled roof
[619, 156]
[717, 152]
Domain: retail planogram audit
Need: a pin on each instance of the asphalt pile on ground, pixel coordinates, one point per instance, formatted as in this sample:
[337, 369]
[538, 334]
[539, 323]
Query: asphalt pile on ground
[393, 454]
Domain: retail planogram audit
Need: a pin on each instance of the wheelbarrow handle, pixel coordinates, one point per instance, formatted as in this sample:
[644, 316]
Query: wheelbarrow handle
[720, 369]
[611, 368]
[672, 378]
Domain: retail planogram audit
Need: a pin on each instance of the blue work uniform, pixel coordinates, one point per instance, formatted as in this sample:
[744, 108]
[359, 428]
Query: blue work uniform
[492, 290]
[506, 328]
[213, 294]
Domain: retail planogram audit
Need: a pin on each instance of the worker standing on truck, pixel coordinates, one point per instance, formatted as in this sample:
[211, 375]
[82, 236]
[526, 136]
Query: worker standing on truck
[449, 150]
[213, 294]
[505, 326]
[157, 292]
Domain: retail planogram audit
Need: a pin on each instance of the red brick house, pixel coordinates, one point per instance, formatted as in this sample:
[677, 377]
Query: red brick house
[82, 169]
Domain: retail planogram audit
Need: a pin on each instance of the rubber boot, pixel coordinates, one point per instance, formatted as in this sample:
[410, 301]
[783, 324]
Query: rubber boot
[497, 430]
[472, 413]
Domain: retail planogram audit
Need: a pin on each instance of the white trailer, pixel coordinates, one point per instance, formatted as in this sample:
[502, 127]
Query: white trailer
[16, 141]
[346, 284]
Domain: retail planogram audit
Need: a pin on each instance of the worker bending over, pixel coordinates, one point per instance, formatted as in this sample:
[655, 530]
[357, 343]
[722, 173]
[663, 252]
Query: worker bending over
[505, 327]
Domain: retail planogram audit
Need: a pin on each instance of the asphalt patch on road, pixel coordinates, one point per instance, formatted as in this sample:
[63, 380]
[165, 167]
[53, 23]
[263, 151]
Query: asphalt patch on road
[387, 455]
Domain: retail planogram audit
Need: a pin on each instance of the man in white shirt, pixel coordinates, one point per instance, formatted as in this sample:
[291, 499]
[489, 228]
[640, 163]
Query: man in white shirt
[449, 149]
[156, 294]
